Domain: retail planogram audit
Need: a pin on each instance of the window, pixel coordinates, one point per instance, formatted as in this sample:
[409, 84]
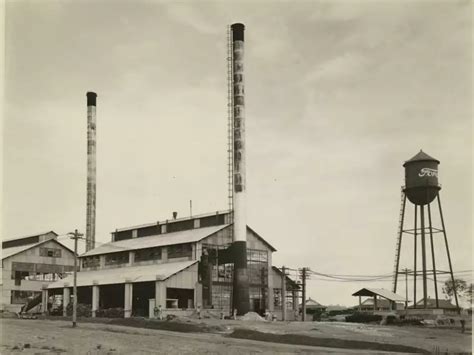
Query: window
[117, 258]
[20, 275]
[257, 255]
[50, 276]
[122, 235]
[50, 252]
[91, 261]
[257, 263]
[180, 251]
[146, 231]
[215, 220]
[221, 296]
[21, 297]
[222, 273]
[38, 272]
[179, 226]
[183, 296]
[19, 242]
[277, 298]
[148, 254]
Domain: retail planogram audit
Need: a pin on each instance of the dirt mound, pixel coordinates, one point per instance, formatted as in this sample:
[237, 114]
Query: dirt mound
[297, 339]
[252, 316]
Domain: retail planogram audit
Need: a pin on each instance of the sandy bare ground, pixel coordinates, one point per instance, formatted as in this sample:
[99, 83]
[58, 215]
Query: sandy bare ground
[54, 337]
[57, 337]
[430, 339]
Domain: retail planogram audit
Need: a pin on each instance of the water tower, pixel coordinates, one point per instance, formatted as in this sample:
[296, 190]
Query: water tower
[421, 188]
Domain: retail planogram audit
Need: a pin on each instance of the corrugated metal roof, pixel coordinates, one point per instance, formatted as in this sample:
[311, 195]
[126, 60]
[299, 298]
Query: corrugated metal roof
[370, 292]
[125, 274]
[7, 252]
[431, 303]
[185, 236]
[421, 156]
[165, 221]
[312, 304]
[29, 236]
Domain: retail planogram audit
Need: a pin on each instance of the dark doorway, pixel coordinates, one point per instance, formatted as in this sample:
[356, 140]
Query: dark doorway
[142, 292]
[111, 296]
[84, 295]
[256, 306]
[185, 297]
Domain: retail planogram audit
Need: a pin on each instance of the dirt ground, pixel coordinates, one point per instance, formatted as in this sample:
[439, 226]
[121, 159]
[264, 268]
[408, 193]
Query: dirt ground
[428, 338]
[57, 337]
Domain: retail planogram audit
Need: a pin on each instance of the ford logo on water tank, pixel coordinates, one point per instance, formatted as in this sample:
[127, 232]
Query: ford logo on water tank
[421, 178]
[428, 172]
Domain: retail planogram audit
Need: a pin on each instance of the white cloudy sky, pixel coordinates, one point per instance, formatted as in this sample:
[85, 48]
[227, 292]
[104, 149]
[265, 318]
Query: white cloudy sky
[338, 94]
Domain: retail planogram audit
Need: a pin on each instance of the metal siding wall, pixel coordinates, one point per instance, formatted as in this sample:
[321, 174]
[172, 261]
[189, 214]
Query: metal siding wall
[184, 279]
[31, 256]
[254, 242]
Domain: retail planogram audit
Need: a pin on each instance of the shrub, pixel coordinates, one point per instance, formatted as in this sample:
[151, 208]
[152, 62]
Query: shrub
[363, 318]
[58, 311]
[83, 310]
[336, 312]
[117, 312]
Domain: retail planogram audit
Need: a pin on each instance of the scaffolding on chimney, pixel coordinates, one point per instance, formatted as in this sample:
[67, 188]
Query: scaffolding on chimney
[230, 128]
[230, 143]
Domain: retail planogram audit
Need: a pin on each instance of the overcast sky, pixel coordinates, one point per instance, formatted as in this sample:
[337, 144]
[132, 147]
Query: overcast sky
[338, 95]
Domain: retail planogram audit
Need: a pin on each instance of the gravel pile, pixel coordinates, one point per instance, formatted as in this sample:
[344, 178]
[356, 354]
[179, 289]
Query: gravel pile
[252, 316]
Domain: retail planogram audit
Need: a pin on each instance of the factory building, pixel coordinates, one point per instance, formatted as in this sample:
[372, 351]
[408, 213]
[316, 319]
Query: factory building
[179, 264]
[29, 264]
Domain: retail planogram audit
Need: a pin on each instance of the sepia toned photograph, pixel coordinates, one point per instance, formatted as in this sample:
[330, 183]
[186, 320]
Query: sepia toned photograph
[236, 177]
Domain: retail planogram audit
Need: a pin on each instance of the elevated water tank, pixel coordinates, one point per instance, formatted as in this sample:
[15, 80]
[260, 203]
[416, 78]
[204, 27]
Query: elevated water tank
[421, 178]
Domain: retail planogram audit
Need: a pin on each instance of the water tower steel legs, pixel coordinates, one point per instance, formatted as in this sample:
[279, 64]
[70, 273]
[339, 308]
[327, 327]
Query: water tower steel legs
[414, 268]
[423, 236]
[447, 251]
[423, 253]
[433, 257]
[422, 188]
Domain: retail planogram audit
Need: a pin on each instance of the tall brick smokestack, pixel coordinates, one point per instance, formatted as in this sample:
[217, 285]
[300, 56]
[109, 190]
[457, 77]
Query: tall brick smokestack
[91, 170]
[241, 279]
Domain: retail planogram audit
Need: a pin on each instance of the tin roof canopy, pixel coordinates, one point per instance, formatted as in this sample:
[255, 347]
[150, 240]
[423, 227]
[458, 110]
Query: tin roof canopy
[181, 237]
[160, 240]
[371, 292]
[131, 274]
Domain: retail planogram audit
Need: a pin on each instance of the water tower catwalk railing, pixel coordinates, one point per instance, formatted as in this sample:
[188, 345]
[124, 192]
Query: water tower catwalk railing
[421, 189]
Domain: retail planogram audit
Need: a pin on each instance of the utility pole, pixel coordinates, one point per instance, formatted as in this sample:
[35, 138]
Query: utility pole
[303, 294]
[406, 286]
[76, 235]
[283, 293]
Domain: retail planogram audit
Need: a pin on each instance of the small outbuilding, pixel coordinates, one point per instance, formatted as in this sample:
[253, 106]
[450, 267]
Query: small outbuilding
[445, 305]
[313, 306]
[376, 294]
